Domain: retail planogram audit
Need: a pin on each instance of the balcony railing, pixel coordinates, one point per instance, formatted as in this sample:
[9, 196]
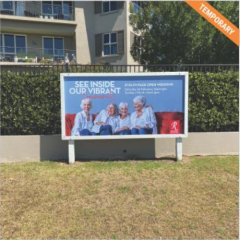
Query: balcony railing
[36, 55]
[56, 10]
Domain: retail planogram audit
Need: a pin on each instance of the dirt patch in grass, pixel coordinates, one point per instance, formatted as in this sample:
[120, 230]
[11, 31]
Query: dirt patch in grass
[121, 199]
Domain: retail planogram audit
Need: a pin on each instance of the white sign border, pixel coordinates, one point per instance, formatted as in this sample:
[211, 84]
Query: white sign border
[99, 137]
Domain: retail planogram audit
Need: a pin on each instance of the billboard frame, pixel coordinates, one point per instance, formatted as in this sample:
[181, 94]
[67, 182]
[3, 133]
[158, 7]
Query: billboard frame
[71, 139]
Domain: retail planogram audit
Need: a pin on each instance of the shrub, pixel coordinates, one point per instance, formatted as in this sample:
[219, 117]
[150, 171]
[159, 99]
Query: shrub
[29, 60]
[45, 61]
[213, 101]
[30, 102]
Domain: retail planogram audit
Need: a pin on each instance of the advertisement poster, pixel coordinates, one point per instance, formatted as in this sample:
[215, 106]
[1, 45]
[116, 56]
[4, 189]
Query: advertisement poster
[146, 105]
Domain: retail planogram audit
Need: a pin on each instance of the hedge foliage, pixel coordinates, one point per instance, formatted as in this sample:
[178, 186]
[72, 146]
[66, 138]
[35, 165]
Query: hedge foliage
[213, 101]
[30, 102]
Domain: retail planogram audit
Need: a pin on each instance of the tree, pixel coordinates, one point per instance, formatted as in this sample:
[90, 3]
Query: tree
[172, 32]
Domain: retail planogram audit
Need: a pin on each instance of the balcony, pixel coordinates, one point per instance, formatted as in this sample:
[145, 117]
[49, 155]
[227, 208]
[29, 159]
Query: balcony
[36, 55]
[46, 9]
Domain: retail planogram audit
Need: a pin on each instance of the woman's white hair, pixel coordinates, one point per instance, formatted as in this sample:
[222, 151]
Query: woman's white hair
[140, 100]
[115, 107]
[86, 100]
[123, 105]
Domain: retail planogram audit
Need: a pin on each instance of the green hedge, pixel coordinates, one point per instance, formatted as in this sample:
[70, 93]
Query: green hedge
[213, 101]
[30, 102]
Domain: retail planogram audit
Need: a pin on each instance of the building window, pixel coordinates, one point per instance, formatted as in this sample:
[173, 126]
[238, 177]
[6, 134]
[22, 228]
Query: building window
[136, 43]
[47, 8]
[68, 10]
[138, 49]
[109, 44]
[12, 45]
[9, 44]
[53, 48]
[20, 44]
[58, 9]
[136, 6]
[1, 44]
[7, 7]
[109, 6]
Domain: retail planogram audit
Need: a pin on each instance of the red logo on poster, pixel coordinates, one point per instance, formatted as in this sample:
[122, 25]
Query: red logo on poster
[174, 127]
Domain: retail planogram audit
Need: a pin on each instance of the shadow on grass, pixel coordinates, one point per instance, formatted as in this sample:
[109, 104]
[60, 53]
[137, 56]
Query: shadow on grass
[162, 159]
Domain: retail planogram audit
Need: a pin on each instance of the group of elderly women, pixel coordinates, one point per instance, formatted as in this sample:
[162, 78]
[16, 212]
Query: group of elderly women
[110, 122]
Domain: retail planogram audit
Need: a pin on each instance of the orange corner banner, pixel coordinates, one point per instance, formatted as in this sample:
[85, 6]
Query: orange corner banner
[216, 19]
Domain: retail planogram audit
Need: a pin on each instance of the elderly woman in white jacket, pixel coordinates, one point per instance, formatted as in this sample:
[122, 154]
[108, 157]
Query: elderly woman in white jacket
[143, 120]
[124, 120]
[106, 121]
[83, 122]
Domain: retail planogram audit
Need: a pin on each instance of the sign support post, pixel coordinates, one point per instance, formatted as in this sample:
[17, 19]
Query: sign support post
[179, 149]
[71, 151]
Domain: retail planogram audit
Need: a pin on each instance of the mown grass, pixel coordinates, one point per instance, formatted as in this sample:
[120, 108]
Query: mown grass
[195, 199]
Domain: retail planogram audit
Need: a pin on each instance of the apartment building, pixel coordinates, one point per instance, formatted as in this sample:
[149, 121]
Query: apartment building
[85, 31]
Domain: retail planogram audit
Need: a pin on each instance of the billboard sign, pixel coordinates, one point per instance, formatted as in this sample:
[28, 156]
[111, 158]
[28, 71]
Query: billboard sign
[124, 105]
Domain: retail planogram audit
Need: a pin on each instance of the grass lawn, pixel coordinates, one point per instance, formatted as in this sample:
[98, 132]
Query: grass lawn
[196, 199]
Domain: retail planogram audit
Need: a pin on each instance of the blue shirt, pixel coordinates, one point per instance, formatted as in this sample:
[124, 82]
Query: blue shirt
[81, 123]
[147, 118]
[103, 116]
[126, 122]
